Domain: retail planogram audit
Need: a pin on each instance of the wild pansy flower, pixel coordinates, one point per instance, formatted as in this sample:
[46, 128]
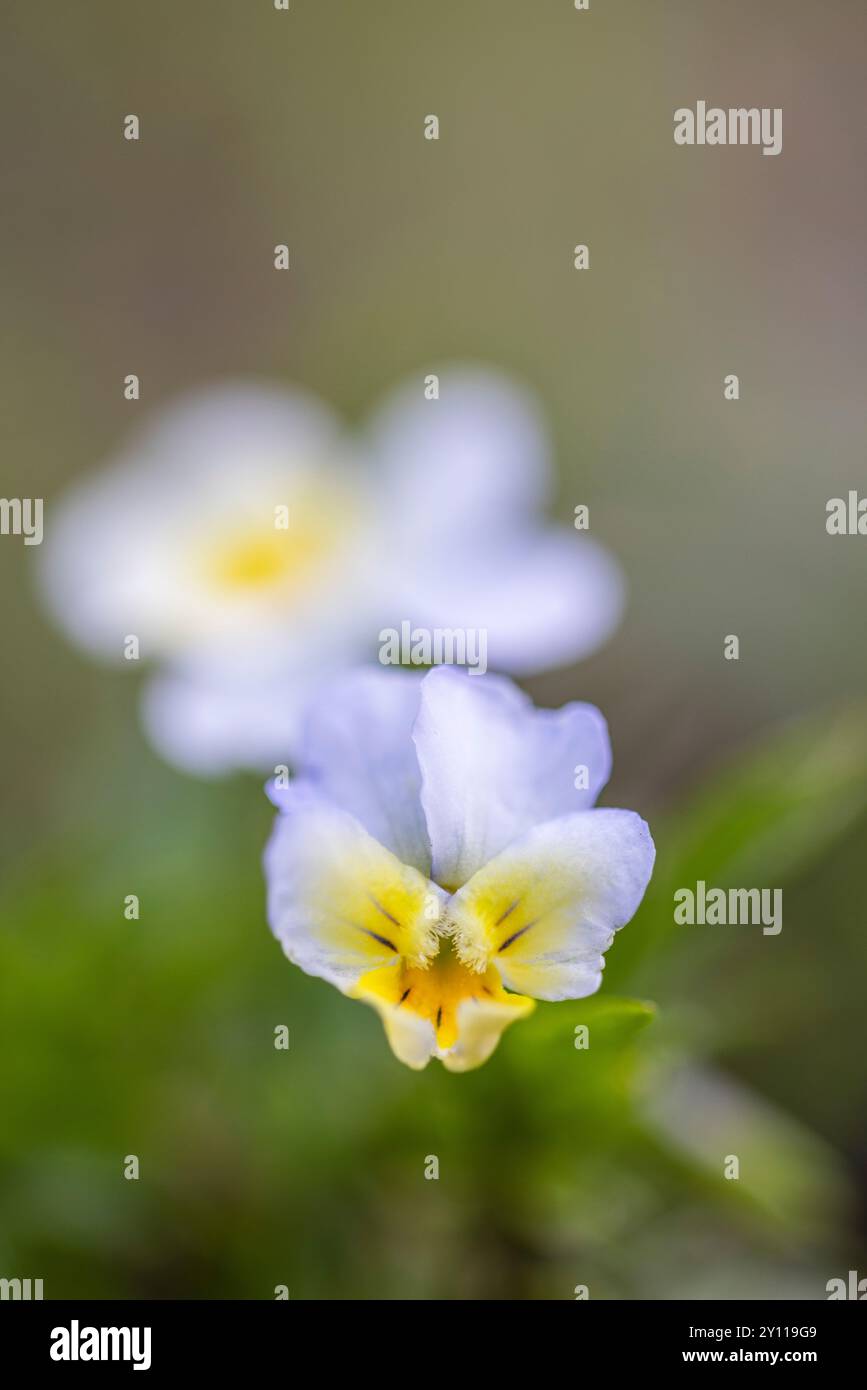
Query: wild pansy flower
[435, 859]
[252, 548]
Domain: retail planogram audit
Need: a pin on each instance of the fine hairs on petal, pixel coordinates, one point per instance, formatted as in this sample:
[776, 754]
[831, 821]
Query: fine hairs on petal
[432, 932]
[469, 952]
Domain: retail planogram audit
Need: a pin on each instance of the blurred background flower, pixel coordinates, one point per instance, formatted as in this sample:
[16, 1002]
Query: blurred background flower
[557, 1166]
[244, 540]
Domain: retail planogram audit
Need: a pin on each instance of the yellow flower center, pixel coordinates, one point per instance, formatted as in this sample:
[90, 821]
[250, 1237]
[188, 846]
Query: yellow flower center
[281, 551]
[258, 560]
[436, 990]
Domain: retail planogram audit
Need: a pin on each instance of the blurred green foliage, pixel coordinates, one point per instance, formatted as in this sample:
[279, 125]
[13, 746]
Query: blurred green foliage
[559, 1166]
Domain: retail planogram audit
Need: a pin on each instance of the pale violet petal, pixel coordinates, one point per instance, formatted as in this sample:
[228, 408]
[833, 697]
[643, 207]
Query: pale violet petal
[475, 459]
[240, 704]
[545, 910]
[526, 601]
[208, 725]
[356, 747]
[492, 766]
[340, 903]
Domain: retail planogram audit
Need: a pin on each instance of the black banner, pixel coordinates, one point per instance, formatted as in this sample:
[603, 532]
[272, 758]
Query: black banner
[77, 1338]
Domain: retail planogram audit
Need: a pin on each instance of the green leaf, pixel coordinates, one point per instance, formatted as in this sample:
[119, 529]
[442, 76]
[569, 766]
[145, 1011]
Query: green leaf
[575, 1063]
[763, 820]
[611, 1020]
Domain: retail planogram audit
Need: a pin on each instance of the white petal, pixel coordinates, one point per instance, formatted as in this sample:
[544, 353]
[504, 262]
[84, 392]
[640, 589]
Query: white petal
[357, 748]
[208, 724]
[242, 705]
[474, 459]
[341, 904]
[213, 432]
[123, 553]
[546, 909]
[493, 766]
[411, 1038]
[480, 1026]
